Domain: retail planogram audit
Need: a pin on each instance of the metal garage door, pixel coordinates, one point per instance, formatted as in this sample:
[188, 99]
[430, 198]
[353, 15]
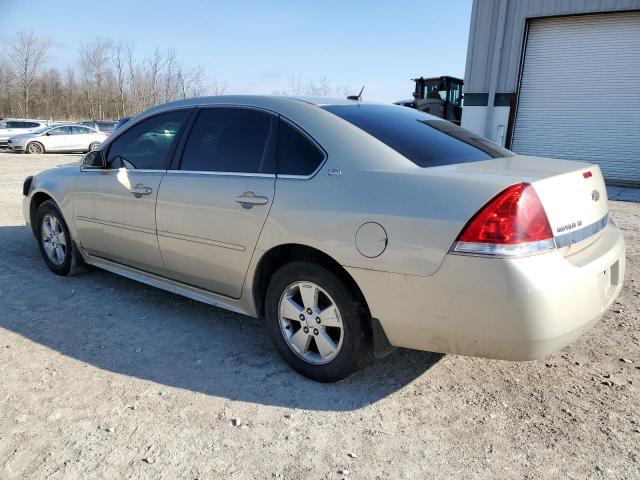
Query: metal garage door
[580, 92]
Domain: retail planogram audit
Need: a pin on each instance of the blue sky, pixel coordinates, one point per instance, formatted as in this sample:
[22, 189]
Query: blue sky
[257, 46]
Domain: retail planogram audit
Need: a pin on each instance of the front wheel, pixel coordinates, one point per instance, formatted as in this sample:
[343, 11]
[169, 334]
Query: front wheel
[317, 322]
[55, 243]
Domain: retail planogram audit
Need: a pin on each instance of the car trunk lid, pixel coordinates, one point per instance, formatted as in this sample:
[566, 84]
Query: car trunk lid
[573, 194]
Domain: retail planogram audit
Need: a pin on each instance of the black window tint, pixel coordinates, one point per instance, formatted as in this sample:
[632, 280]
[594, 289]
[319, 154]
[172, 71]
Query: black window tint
[423, 139]
[147, 144]
[297, 155]
[231, 140]
[106, 126]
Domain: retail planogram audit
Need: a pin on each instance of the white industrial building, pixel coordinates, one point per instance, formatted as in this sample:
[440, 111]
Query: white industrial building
[558, 78]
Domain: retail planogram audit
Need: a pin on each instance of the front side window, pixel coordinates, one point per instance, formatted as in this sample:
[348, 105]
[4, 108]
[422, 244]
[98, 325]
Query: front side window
[231, 140]
[297, 155]
[147, 145]
[60, 131]
[424, 139]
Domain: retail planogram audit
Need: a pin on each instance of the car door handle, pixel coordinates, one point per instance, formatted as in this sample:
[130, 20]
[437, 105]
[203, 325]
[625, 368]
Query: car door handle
[249, 199]
[140, 190]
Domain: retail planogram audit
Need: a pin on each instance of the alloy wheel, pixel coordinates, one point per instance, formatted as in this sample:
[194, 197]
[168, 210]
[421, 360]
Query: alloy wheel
[310, 322]
[54, 240]
[34, 148]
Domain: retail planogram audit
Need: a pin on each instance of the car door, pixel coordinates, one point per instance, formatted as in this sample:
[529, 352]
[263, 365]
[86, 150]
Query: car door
[82, 137]
[56, 139]
[213, 204]
[115, 207]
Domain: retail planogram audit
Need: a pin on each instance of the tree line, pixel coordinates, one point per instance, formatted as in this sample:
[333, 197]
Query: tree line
[107, 81]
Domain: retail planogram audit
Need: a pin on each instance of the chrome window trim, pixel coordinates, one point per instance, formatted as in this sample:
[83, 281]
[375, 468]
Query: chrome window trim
[141, 170]
[224, 174]
[203, 106]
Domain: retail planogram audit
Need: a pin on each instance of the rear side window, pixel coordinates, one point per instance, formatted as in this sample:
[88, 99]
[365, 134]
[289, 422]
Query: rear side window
[106, 126]
[297, 155]
[424, 139]
[22, 125]
[231, 140]
[147, 144]
[60, 131]
[80, 130]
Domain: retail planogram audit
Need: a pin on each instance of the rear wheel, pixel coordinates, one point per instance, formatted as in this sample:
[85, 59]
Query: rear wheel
[56, 246]
[316, 322]
[34, 148]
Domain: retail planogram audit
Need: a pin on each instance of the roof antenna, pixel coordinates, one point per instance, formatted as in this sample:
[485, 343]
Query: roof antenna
[357, 98]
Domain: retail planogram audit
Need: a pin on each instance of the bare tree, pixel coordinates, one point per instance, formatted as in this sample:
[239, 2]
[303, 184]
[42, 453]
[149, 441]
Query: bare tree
[118, 62]
[171, 68]
[218, 88]
[27, 54]
[154, 70]
[324, 87]
[295, 85]
[108, 81]
[94, 59]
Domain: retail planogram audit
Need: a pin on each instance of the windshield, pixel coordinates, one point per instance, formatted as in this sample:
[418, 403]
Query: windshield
[424, 139]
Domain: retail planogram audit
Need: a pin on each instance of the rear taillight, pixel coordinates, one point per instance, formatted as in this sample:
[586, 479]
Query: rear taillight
[513, 223]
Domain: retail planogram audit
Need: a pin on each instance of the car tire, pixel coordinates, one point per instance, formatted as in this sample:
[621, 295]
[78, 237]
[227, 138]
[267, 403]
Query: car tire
[35, 148]
[52, 232]
[346, 322]
[93, 146]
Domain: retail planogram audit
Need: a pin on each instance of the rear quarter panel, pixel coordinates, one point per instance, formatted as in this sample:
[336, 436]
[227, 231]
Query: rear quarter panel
[422, 210]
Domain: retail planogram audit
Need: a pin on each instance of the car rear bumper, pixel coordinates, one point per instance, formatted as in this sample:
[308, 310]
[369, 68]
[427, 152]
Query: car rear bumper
[512, 309]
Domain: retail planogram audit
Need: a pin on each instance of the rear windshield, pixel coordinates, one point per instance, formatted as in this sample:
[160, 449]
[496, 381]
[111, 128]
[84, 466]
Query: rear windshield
[424, 139]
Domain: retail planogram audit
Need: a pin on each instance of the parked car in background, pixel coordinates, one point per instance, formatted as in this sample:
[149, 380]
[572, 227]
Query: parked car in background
[349, 227]
[59, 138]
[11, 127]
[122, 122]
[105, 126]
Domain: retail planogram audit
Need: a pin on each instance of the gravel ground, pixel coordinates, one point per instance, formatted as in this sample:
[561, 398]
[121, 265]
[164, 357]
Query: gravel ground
[102, 377]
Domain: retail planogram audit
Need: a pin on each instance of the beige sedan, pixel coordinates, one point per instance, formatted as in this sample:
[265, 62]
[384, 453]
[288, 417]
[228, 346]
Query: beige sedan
[352, 228]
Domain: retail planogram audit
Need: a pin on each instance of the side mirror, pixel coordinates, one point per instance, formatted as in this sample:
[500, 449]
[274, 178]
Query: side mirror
[47, 134]
[94, 160]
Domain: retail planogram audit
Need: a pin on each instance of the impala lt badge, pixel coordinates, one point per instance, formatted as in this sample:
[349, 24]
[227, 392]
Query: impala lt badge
[595, 195]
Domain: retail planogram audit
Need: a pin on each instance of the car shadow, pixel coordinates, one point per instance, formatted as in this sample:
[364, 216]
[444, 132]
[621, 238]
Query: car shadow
[123, 326]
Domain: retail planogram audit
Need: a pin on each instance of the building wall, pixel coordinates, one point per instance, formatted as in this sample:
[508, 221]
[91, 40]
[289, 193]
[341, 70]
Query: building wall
[497, 33]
